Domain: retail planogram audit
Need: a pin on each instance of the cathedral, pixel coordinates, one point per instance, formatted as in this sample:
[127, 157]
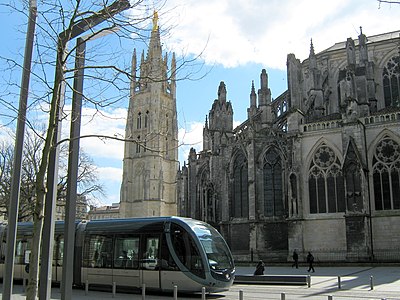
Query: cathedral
[151, 152]
[316, 169]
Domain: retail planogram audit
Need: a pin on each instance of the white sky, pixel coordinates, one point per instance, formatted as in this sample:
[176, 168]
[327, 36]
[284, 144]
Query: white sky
[237, 32]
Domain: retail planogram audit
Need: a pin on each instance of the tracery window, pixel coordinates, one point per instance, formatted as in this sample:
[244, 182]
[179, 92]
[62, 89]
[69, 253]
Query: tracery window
[391, 82]
[240, 207]
[325, 182]
[139, 121]
[146, 119]
[272, 178]
[386, 174]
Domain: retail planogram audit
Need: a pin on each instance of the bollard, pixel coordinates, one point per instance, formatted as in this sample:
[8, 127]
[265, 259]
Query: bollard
[309, 280]
[86, 287]
[371, 281]
[241, 295]
[283, 296]
[339, 283]
[143, 291]
[24, 284]
[114, 289]
[175, 292]
[203, 293]
[330, 297]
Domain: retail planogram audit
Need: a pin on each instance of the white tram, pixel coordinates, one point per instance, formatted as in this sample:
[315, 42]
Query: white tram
[160, 252]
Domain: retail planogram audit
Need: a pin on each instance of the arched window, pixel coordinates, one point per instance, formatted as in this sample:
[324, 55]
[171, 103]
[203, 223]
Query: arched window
[325, 182]
[272, 178]
[139, 121]
[240, 207]
[386, 174]
[391, 82]
[146, 119]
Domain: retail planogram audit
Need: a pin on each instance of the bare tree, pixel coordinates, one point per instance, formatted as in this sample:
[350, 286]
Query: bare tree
[89, 186]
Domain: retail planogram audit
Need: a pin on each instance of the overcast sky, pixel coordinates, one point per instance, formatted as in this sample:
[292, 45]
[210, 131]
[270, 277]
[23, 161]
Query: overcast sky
[237, 38]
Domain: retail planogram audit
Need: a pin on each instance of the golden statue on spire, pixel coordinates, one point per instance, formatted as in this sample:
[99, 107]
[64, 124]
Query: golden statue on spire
[155, 21]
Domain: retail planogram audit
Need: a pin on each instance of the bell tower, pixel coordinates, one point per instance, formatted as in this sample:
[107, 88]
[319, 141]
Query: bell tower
[150, 162]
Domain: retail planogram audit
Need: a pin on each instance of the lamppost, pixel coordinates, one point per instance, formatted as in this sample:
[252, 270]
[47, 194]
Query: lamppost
[69, 229]
[18, 150]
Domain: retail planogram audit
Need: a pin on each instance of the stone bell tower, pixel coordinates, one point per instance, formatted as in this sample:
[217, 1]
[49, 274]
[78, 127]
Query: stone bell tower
[150, 162]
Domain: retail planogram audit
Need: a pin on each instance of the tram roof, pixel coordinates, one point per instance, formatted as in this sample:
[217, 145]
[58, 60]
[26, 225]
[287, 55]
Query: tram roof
[137, 225]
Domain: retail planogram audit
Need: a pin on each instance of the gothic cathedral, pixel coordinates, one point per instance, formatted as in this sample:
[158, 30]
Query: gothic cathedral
[316, 169]
[151, 155]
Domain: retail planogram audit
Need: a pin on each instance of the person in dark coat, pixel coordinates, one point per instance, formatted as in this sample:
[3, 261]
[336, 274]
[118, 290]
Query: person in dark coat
[310, 261]
[259, 268]
[295, 259]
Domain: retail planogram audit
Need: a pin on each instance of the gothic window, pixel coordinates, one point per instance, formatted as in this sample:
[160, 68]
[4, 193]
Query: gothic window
[146, 119]
[386, 175]
[240, 207]
[139, 121]
[391, 82]
[325, 182]
[272, 178]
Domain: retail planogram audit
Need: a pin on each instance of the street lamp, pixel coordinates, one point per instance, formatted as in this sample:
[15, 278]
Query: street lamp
[69, 229]
[18, 150]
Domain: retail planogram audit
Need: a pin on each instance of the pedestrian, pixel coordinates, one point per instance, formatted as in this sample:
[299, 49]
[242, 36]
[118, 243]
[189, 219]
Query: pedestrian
[295, 259]
[259, 268]
[310, 261]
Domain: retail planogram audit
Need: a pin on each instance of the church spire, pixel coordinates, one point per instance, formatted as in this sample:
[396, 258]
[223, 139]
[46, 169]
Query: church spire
[312, 58]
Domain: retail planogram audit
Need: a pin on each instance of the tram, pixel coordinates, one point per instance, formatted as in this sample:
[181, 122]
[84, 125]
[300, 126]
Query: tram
[160, 252]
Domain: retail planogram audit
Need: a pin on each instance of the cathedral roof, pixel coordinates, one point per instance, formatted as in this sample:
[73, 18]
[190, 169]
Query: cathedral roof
[370, 39]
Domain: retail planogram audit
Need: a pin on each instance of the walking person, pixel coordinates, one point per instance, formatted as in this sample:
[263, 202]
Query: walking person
[295, 259]
[310, 261]
[259, 268]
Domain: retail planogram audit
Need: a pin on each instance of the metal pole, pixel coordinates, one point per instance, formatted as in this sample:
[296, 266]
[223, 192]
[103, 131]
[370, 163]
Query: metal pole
[17, 164]
[70, 205]
[339, 282]
[240, 294]
[143, 291]
[203, 293]
[371, 281]
[175, 292]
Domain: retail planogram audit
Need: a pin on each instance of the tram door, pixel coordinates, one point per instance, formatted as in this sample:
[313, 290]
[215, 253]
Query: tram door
[126, 265]
[150, 274]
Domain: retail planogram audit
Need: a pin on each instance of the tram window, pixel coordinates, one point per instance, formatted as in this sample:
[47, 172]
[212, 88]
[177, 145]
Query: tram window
[58, 251]
[3, 251]
[150, 254]
[167, 262]
[126, 252]
[186, 250]
[21, 246]
[98, 251]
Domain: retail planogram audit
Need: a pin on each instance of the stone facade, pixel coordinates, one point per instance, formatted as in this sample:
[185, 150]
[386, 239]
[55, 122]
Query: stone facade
[316, 169]
[151, 152]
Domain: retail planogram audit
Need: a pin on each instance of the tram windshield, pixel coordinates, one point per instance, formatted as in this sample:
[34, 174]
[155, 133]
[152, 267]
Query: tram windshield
[218, 254]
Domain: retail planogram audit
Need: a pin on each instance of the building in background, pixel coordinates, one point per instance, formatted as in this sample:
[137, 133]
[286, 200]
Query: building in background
[150, 161]
[316, 169]
[104, 212]
[81, 207]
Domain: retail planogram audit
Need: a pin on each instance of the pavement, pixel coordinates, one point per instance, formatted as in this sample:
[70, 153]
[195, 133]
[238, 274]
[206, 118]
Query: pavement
[356, 282]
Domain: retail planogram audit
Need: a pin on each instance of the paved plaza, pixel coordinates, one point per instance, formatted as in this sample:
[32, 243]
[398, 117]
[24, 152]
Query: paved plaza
[355, 282]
